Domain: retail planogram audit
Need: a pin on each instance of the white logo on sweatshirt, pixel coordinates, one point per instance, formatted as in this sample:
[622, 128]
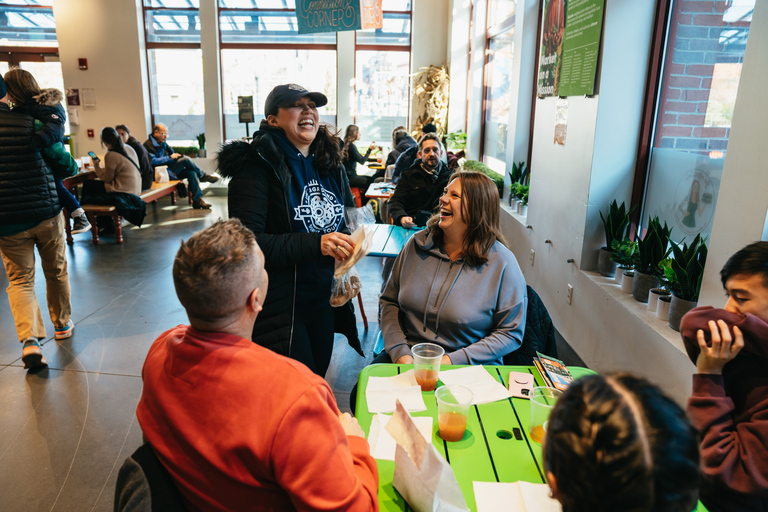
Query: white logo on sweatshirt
[319, 210]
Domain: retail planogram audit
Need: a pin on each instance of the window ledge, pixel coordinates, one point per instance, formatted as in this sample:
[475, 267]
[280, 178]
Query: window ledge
[639, 309]
[522, 219]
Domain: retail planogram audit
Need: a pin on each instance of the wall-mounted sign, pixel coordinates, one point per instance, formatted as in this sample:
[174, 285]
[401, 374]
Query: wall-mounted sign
[73, 97]
[581, 45]
[327, 15]
[371, 14]
[551, 55]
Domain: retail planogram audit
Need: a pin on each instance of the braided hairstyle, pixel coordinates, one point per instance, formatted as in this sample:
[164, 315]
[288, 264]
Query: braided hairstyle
[617, 442]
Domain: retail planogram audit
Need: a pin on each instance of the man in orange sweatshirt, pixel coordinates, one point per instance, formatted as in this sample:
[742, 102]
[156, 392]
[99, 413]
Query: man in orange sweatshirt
[237, 426]
[729, 404]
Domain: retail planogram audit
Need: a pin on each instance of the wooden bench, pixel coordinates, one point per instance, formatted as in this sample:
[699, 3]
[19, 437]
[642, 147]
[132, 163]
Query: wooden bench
[157, 191]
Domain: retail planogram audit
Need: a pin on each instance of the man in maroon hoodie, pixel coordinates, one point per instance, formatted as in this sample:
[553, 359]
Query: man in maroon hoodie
[729, 404]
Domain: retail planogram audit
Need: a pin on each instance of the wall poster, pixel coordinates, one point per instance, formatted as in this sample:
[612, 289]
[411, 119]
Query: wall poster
[328, 15]
[581, 46]
[371, 14]
[551, 53]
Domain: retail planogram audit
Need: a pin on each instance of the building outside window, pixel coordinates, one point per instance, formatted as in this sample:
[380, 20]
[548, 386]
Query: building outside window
[701, 70]
[261, 48]
[175, 64]
[382, 73]
[500, 31]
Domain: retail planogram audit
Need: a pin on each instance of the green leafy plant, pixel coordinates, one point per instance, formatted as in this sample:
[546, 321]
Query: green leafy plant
[615, 223]
[498, 179]
[624, 253]
[201, 140]
[186, 150]
[523, 193]
[456, 140]
[652, 249]
[519, 173]
[514, 189]
[687, 268]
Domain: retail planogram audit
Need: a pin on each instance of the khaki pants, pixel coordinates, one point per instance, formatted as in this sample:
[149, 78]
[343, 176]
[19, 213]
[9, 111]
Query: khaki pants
[18, 252]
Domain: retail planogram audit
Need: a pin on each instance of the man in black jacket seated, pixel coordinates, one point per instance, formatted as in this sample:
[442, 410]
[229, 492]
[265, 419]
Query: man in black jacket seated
[421, 185]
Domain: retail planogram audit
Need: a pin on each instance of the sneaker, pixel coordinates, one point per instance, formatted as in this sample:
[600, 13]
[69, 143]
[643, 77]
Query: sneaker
[80, 224]
[199, 204]
[65, 332]
[32, 354]
[209, 178]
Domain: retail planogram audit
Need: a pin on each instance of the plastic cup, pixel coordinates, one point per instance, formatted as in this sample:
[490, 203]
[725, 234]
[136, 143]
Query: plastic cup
[452, 409]
[543, 399]
[426, 364]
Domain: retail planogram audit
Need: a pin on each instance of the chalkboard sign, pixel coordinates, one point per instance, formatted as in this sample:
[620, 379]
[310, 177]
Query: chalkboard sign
[328, 15]
[245, 109]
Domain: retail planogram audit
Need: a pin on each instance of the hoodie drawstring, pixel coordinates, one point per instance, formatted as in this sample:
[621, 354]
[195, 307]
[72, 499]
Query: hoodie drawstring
[437, 320]
[445, 299]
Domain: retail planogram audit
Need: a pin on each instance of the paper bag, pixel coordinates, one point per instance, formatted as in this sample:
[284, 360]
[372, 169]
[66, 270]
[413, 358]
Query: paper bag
[422, 476]
[161, 174]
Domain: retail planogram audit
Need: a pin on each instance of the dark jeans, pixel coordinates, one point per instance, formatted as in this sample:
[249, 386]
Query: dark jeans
[312, 342]
[184, 168]
[67, 200]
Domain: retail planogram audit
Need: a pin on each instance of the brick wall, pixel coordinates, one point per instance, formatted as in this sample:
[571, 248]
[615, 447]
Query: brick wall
[702, 34]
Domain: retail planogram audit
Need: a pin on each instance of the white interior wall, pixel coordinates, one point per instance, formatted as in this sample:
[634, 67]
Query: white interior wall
[458, 63]
[209, 46]
[111, 38]
[429, 42]
[345, 76]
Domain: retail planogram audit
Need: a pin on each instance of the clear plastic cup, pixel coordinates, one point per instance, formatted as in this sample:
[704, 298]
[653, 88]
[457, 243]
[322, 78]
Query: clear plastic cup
[543, 399]
[426, 364]
[452, 409]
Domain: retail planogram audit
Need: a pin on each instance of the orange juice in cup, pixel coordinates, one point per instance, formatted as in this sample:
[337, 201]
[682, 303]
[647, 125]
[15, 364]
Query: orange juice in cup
[543, 399]
[453, 403]
[426, 363]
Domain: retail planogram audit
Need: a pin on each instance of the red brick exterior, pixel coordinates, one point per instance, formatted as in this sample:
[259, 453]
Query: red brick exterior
[699, 38]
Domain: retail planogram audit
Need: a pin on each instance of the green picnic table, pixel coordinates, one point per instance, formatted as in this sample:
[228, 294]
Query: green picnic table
[489, 451]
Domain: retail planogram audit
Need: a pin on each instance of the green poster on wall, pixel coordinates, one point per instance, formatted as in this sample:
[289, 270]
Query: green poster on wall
[551, 52]
[581, 45]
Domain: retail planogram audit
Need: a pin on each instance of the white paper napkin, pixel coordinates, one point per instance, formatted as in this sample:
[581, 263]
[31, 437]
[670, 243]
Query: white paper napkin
[514, 497]
[383, 444]
[485, 389]
[382, 393]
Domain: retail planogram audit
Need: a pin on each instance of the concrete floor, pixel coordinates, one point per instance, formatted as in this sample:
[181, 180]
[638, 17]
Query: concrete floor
[66, 430]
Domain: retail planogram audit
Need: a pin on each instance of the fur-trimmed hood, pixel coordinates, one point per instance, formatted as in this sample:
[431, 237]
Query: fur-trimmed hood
[238, 157]
[49, 97]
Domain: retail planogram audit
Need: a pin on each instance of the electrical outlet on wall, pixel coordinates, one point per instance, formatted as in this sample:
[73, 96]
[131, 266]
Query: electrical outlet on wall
[533, 253]
[569, 294]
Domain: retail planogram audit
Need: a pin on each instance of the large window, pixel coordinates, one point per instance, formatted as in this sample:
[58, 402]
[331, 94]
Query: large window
[701, 70]
[500, 51]
[175, 66]
[261, 48]
[382, 73]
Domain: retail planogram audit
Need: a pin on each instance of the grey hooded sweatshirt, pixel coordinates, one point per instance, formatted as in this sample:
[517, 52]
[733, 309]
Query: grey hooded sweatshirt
[477, 314]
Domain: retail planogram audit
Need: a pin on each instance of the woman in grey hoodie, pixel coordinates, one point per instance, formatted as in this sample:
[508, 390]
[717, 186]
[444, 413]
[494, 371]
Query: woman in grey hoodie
[455, 283]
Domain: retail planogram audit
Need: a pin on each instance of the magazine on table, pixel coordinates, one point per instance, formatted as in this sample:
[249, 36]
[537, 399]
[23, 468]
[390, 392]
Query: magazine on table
[553, 371]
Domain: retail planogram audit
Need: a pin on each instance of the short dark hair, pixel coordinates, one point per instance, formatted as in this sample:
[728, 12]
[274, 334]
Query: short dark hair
[429, 128]
[480, 210]
[216, 270]
[749, 261]
[400, 135]
[124, 128]
[617, 442]
[430, 136]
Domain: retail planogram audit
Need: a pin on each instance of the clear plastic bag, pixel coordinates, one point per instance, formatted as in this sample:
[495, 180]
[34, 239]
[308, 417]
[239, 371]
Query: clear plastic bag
[346, 279]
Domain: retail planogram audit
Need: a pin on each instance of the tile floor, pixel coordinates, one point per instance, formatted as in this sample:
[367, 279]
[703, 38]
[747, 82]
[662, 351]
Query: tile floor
[65, 431]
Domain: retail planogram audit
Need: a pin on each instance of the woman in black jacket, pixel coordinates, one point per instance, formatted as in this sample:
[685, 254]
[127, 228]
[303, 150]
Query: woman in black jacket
[288, 186]
[350, 157]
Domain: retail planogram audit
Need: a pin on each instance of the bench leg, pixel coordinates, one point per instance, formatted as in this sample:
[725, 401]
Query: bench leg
[118, 228]
[94, 227]
[67, 226]
[173, 197]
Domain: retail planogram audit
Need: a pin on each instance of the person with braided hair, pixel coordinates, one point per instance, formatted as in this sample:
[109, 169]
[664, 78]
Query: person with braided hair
[617, 442]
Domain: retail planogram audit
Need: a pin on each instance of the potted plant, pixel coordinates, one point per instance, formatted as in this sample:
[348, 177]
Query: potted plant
[654, 294]
[651, 250]
[201, 143]
[624, 253]
[517, 178]
[522, 193]
[498, 179]
[615, 225]
[685, 273]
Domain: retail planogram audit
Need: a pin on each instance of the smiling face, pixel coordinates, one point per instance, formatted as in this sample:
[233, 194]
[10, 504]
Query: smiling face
[299, 122]
[747, 294]
[452, 220]
[430, 153]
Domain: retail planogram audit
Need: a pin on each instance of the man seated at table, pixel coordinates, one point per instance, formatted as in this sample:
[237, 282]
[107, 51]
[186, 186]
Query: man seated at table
[237, 425]
[420, 186]
[410, 154]
[182, 166]
[729, 404]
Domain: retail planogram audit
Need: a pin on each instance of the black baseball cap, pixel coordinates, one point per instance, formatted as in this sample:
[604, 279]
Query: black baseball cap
[287, 94]
[2, 88]
[429, 128]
